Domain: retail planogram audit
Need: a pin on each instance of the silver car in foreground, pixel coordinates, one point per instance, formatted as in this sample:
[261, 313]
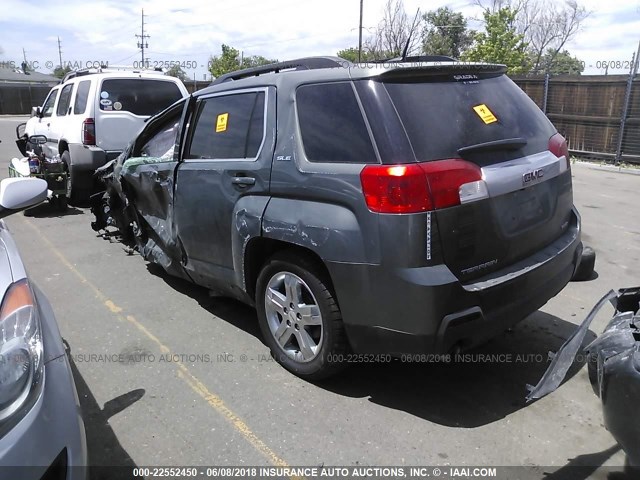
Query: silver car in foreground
[42, 434]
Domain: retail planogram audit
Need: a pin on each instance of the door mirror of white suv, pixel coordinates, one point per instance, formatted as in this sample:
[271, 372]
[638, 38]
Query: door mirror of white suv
[17, 194]
[36, 112]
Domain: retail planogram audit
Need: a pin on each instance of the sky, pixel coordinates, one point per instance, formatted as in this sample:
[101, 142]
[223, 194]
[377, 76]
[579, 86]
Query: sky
[190, 31]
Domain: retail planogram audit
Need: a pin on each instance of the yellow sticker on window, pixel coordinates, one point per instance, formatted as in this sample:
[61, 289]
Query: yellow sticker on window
[485, 114]
[221, 123]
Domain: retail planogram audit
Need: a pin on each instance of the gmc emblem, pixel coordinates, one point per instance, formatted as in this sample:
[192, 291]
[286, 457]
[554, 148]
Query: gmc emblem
[532, 176]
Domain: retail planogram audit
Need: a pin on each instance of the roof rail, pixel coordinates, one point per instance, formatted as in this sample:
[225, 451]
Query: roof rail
[107, 69]
[308, 63]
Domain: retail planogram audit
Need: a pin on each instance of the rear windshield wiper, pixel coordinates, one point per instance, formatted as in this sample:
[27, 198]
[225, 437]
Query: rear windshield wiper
[505, 144]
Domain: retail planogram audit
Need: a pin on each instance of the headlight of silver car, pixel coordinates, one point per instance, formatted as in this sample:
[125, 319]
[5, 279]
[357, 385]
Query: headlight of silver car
[20, 348]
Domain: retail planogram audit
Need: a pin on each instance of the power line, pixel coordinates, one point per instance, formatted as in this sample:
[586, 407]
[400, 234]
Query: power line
[142, 44]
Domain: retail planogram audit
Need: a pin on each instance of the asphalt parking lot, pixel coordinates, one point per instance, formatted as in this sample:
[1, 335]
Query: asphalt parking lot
[198, 387]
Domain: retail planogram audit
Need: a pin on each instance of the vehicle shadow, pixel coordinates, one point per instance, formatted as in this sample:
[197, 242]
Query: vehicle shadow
[487, 384]
[105, 452]
[231, 311]
[585, 466]
[49, 210]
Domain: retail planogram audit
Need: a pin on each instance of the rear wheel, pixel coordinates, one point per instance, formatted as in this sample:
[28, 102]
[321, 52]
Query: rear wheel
[299, 317]
[77, 192]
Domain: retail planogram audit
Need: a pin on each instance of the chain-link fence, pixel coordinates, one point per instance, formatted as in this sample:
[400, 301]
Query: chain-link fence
[598, 115]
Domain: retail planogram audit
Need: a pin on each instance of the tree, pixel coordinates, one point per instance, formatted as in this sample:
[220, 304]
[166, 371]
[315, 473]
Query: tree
[225, 63]
[351, 54]
[500, 43]
[176, 71]
[256, 61]
[547, 25]
[60, 72]
[231, 60]
[445, 33]
[393, 32]
[562, 63]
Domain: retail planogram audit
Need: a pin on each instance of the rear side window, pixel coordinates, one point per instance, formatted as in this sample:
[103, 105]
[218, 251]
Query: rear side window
[445, 115]
[80, 104]
[137, 95]
[229, 127]
[65, 100]
[332, 126]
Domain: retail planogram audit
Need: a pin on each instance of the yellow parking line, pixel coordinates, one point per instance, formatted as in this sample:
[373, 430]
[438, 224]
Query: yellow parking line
[213, 400]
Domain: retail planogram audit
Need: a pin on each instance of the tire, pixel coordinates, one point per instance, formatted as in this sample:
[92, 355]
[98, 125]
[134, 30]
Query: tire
[285, 277]
[77, 194]
[62, 203]
[587, 265]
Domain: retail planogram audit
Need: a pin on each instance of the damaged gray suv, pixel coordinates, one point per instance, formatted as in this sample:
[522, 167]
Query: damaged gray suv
[398, 208]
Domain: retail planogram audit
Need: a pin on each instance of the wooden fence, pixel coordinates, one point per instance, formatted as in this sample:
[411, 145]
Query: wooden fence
[598, 115]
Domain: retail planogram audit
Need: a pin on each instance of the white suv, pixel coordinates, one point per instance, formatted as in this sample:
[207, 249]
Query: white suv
[93, 114]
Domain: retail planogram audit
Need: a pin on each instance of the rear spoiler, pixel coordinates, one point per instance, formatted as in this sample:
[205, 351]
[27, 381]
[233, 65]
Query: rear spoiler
[430, 69]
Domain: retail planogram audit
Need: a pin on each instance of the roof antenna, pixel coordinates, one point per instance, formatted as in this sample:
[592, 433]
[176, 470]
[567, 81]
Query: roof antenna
[406, 46]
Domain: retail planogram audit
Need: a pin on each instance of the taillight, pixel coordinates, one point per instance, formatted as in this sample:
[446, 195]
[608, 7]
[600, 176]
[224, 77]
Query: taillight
[417, 187]
[89, 131]
[558, 146]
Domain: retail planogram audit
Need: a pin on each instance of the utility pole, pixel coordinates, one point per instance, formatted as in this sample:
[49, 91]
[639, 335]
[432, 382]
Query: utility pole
[25, 65]
[60, 52]
[142, 44]
[360, 34]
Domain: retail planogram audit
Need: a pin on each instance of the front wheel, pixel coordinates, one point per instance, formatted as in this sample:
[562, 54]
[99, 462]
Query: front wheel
[299, 317]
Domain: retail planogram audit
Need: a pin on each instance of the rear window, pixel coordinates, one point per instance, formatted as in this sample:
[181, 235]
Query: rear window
[443, 116]
[138, 96]
[332, 126]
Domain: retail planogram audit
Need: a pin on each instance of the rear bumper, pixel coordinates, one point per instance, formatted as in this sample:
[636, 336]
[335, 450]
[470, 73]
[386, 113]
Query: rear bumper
[86, 158]
[428, 310]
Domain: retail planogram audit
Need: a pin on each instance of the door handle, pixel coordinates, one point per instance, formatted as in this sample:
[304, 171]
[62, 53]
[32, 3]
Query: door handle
[243, 181]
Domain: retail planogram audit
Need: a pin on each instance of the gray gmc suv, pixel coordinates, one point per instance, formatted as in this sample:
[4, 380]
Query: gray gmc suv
[392, 208]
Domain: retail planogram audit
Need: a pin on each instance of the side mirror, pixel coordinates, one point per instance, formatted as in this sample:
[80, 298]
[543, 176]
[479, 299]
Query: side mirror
[38, 139]
[18, 194]
[36, 112]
